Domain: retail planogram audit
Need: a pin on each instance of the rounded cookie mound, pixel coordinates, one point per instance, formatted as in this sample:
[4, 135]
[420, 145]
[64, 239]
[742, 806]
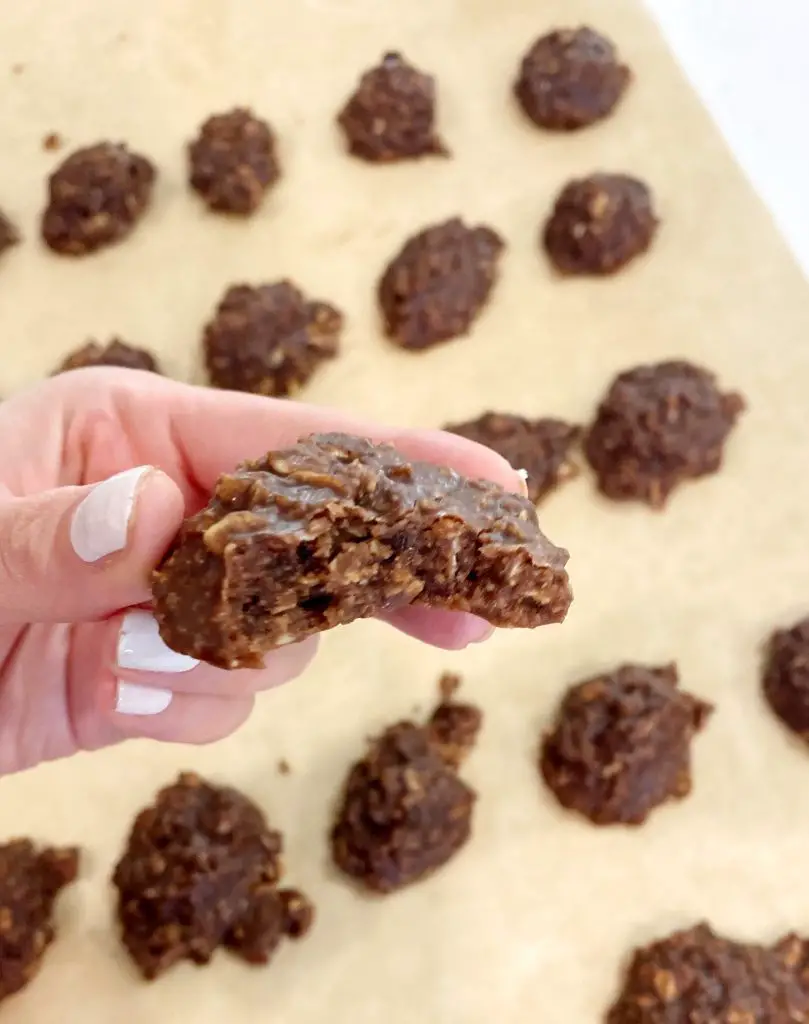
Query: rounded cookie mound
[620, 745]
[599, 224]
[570, 78]
[658, 426]
[96, 196]
[269, 339]
[437, 285]
[233, 162]
[114, 353]
[391, 116]
[786, 677]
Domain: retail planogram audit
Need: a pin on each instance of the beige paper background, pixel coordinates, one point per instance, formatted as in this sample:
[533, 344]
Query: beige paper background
[532, 921]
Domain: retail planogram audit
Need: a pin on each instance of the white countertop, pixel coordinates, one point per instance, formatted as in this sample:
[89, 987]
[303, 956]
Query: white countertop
[748, 61]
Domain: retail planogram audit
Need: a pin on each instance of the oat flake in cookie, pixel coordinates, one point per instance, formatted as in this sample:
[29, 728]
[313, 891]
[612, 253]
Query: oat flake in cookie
[96, 196]
[114, 353]
[599, 224]
[657, 427]
[540, 447]
[269, 339]
[404, 811]
[570, 78]
[786, 677]
[391, 116]
[30, 882]
[696, 976]
[201, 870]
[620, 745]
[437, 285]
[338, 528]
[233, 162]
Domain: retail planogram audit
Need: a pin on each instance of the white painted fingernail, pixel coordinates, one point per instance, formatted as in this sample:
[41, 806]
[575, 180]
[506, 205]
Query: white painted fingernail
[101, 522]
[523, 475]
[141, 647]
[141, 700]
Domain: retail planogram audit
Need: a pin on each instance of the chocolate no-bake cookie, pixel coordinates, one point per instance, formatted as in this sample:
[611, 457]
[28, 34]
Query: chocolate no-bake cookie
[786, 677]
[391, 116]
[404, 810]
[114, 353]
[269, 339]
[96, 196]
[599, 224]
[30, 881]
[438, 283]
[570, 78]
[698, 977]
[337, 529]
[9, 235]
[657, 427]
[233, 162]
[201, 870]
[540, 447]
[620, 745]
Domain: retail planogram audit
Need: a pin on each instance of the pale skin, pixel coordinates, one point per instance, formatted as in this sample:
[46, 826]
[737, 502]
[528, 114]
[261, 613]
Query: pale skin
[67, 598]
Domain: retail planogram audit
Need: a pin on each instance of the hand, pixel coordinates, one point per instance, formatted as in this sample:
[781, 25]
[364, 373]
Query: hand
[100, 467]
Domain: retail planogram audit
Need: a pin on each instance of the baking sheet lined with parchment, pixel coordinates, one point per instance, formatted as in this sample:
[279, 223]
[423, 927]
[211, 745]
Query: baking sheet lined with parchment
[534, 919]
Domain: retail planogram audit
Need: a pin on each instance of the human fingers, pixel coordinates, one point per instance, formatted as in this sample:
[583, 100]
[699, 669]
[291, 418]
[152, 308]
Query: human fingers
[77, 553]
[451, 631]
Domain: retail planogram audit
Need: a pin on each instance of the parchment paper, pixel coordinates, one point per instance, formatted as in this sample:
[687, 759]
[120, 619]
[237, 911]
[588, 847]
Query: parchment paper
[532, 922]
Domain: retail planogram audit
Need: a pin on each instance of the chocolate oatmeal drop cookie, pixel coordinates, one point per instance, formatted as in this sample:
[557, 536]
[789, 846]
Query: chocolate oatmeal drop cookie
[269, 339]
[540, 447]
[570, 78]
[30, 881]
[9, 235]
[114, 353]
[95, 198]
[404, 811]
[786, 677]
[657, 427]
[438, 284]
[698, 977]
[599, 224]
[620, 745]
[201, 870]
[233, 162]
[336, 529]
[391, 116]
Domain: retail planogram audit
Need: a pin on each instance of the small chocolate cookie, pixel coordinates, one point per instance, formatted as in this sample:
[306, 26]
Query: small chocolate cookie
[269, 339]
[786, 677]
[599, 224]
[391, 116]
[96, 196]
[9, 235]
[540, 447]
[620, 745]
[232, 162]
[698, 977]
[201, 870]
[114, 353]
[30, 881]
[657, 427]
[404, 811]
[570, 78]
[436, 286]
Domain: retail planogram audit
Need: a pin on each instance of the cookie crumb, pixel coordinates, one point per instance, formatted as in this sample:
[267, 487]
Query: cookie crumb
[391, 115]
[571, 78]
[435, 288]
[657, 427]
[9, 235]
[269, 339]
[52, 141]
[620, 745]
[284, 767]
[114, 353]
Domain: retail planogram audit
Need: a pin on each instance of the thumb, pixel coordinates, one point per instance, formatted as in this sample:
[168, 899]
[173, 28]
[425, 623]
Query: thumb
[78, 553]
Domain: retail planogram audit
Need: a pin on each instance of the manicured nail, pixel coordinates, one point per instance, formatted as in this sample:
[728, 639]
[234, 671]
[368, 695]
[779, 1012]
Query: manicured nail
[141, 700]
[141, 647]
[523, 475]
[101, 522]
